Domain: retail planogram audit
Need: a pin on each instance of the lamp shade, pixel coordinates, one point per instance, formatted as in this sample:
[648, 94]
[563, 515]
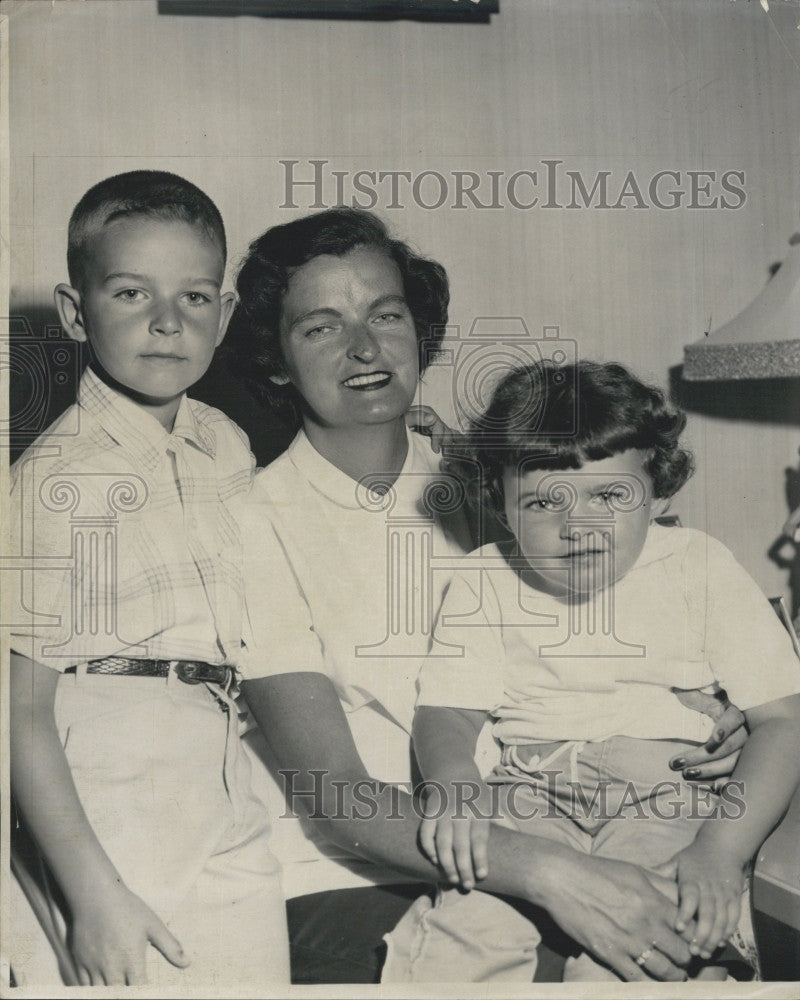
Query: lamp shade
[763, 341]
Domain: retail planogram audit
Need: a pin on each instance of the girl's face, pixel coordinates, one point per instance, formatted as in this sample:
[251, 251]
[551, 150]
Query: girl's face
[348, 339]
[581, 529]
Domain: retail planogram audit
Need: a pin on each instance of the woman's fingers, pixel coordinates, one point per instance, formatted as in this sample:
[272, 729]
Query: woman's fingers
[715, 769]
[728, 737]
[658, 966]
[136, 975]
[713, 760]
[666, 885]
[427, 421]
[97, 974]
[730, 733]
[718, 756]
[655, 965]
[610, 907]
[652, 964]
[628, 969]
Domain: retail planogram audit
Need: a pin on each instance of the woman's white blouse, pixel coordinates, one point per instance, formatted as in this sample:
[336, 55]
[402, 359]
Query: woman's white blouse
[347, 582]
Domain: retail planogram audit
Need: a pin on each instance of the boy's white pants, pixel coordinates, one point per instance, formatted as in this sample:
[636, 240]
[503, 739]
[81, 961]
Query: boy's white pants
[165, 781]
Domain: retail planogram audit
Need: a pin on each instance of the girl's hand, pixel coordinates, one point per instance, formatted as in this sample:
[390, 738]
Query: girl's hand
[110, 936]
[457, 842]
[710, 886]
[425, 420]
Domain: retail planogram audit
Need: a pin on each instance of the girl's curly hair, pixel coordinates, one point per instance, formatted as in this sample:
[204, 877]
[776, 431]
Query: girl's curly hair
[559, 417]
[253, 348]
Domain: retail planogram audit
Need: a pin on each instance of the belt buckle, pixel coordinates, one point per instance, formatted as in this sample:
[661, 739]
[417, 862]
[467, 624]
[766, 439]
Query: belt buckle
[194, 672]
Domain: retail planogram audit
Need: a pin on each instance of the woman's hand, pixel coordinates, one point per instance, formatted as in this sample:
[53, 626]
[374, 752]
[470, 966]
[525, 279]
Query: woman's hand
[719, 754]
[619, 913]
[425, 420]
[110, 936]
[614, 909]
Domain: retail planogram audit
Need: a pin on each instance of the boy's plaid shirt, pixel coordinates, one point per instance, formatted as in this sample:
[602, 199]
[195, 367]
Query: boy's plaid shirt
[128, 537]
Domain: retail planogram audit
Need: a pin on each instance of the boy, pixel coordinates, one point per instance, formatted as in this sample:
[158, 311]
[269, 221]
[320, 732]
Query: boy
[575, 637]
[126, 762]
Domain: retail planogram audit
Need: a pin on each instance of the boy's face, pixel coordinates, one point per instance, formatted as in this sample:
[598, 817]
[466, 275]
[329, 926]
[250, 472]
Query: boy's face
[151, 307]
[348, 339]
[580, 529]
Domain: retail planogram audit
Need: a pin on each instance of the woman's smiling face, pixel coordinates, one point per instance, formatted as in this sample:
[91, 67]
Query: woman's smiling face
[348, 339]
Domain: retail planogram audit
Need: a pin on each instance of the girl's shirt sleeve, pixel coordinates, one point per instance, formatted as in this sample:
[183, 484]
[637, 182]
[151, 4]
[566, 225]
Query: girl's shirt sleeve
[750, 651]
[464, 667]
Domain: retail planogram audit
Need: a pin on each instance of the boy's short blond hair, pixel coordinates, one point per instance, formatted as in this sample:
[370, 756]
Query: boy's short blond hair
[138, 192]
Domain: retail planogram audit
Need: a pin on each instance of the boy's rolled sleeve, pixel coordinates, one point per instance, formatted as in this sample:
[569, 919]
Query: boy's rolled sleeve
[463, 669]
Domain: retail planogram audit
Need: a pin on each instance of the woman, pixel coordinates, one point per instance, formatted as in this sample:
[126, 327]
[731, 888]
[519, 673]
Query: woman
[353, 536]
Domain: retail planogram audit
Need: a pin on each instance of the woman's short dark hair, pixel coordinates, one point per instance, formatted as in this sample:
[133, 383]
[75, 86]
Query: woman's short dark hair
[253, 345]
[551, 416]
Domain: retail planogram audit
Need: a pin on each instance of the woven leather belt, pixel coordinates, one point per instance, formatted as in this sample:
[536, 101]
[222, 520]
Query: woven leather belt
[189, 671]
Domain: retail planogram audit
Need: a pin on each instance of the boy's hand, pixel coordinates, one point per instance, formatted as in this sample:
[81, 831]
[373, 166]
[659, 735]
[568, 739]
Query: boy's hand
[110, 936]
[710, 884]
[458, 843]
[427, 421]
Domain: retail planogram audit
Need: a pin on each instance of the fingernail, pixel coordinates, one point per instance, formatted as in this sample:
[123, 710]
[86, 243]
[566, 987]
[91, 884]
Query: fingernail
[692, 772]
[678, 763]
[680, 926]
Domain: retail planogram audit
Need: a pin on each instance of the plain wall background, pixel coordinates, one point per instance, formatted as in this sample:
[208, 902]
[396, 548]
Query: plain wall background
[623, 85]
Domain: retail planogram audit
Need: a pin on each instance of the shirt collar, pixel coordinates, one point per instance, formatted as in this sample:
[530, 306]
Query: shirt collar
[133, 428]
[189, 426]
[346, 492]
